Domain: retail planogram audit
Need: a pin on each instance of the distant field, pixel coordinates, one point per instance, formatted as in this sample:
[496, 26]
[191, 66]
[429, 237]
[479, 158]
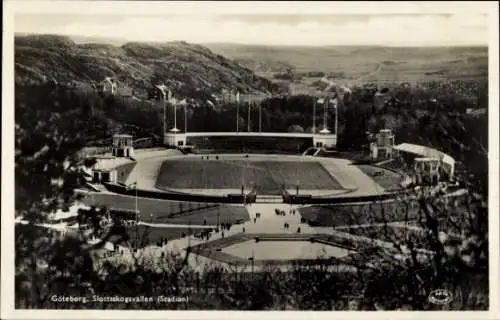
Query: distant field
[176, 212]
[398, 64]
[269, 177]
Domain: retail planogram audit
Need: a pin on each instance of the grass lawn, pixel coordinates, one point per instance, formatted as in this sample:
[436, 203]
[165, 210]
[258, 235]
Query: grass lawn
[350, 214]
[269, 177]
[150, 235]
[177, 212]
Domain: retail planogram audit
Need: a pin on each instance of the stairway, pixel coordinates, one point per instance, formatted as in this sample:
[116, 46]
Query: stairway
[269, 199]
[269, 221]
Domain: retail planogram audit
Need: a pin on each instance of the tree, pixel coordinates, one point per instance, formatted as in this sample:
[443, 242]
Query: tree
[52, 125]
[295, 128]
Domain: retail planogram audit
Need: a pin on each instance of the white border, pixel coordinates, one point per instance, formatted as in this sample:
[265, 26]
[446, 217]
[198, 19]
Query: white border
[249, 7]
[130, 7]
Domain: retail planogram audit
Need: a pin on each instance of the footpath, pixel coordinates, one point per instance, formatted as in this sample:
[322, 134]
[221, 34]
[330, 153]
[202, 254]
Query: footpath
[263, 219]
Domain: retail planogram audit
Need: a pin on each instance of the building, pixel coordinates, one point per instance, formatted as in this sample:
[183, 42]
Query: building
[107, 166]
[108, 85]
[428, 163]
[81, 85]
[381, 98]
[123, 145]
[109, 169]
[227, 96]
[158, 92]
[476, 112]
[253, 98]
[104, 169]
[112, 86]
[125, 92]
[383, 146]
[295, 89]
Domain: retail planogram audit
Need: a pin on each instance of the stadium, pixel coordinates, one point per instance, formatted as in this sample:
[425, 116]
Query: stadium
[228, 204]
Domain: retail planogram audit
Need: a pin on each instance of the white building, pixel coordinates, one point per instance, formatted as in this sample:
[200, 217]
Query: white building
[123, 145]
[427, 160]
[383, 146]
[109, 85]
[105, 168]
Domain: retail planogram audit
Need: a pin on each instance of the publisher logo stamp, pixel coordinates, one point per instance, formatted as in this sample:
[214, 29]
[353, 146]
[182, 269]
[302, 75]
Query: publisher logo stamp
[440, 297]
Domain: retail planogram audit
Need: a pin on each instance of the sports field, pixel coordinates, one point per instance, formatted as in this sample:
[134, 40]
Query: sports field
[269, 176]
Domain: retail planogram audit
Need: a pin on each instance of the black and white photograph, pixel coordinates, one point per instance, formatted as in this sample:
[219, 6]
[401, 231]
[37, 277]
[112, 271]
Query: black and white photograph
[250, 156]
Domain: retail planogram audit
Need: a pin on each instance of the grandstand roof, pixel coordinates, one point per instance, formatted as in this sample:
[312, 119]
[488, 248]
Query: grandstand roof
[425, 152]
[122, 136]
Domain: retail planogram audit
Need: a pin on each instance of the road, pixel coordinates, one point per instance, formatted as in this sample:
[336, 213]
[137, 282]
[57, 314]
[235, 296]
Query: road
[374, 73]
[357, 81]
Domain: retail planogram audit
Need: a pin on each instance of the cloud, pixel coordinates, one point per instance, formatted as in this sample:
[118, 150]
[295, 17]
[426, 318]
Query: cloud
[391, 30]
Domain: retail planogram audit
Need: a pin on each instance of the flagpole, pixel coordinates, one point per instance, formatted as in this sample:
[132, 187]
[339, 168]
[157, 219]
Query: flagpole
[237, 111]
[189, 235]
[136, 196]
[314, 116]
[324, 114]
[175, 115]
[248, 122]
[164, 115]
[136, 220]
[260, 117]
[185, 118]
[336, 117]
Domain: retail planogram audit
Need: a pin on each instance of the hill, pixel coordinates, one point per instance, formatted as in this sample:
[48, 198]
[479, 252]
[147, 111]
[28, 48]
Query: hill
[264, 65]
[398, 63]
[184, 67]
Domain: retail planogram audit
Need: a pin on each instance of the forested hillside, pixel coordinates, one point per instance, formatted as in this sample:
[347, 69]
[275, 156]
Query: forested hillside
[185, 68]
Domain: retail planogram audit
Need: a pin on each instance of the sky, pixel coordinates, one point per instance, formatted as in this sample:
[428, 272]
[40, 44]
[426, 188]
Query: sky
[290, 28]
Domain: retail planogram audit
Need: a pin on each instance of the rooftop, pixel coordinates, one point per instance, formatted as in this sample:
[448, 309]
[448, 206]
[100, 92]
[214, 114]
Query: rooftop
[424, 152]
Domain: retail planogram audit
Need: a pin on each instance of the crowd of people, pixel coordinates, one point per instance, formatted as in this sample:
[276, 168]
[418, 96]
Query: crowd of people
[280, 212]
